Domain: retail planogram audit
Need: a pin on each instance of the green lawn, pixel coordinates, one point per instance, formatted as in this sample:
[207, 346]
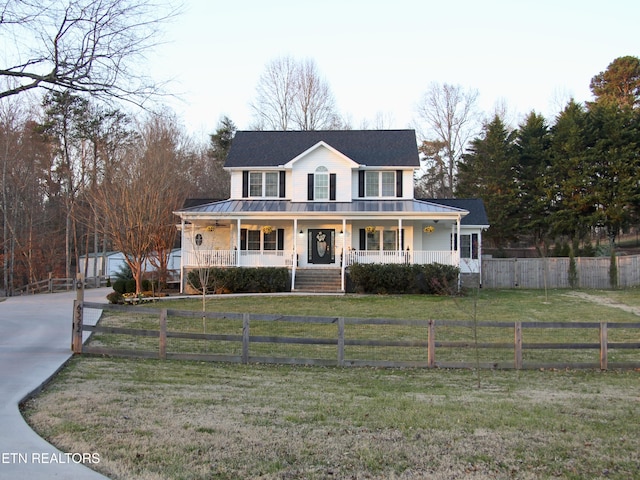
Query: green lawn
[153, 419]
[488, 305]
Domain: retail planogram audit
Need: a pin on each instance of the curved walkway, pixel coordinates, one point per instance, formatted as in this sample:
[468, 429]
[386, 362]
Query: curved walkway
[35, 341]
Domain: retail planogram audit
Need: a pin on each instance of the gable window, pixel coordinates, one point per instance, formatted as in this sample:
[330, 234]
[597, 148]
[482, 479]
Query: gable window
[321, 184]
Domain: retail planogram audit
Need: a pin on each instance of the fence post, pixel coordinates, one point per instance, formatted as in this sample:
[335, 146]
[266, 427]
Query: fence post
[50, 286]
[603, 346]
[78, 307]
[341, 341]
[518, 345]
[245, 338]
[431, 344]
[163, 334]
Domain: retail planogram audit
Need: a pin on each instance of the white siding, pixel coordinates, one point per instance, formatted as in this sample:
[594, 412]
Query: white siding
[236, 184]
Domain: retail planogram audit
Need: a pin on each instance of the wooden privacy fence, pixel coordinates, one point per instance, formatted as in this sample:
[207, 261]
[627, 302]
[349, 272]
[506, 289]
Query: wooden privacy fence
[553, 272]
[339, 341]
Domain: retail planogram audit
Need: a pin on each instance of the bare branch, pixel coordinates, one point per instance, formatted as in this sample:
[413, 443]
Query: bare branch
[91, 46]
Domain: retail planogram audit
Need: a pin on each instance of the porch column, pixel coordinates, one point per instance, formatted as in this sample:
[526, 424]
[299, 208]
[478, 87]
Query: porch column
[342, 257]
[458, 251]
[238, 245]
[182, 255]
[294, 260]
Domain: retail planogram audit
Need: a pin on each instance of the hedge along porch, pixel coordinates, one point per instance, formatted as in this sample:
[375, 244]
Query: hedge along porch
[326, 200]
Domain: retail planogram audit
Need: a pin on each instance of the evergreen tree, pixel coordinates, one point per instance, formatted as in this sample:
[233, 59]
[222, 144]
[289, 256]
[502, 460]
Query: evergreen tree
[572, 206]
[488, 172]
[614, 164]
[619, 83]
[532, 146]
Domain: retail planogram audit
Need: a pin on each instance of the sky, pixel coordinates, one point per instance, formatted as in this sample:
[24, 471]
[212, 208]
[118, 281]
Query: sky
[380, 57]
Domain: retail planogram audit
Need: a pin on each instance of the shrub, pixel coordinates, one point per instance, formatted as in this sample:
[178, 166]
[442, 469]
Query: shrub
[433, 278]
[115, 298]
[244, 280]
[120, 286]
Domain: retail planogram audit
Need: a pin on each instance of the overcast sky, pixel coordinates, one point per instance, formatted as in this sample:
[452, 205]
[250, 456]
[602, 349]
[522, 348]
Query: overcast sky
[379, 57]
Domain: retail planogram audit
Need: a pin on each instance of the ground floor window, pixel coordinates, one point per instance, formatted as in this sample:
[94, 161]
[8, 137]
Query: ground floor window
[259, 240]
[381, 239]
[468, 245]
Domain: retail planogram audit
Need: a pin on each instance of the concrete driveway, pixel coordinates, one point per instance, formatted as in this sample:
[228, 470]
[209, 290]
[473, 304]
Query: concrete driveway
[35, 341]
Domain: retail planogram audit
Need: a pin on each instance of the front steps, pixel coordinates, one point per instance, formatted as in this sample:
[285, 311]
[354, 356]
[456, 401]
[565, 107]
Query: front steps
[318, 280]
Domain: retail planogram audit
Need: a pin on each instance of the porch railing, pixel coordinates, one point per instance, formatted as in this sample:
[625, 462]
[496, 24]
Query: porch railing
[242, 258]
[285, 258]
[445, 257]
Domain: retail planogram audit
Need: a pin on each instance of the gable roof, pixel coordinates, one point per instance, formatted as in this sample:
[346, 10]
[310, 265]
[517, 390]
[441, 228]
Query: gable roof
[376, 148]
[475, 207]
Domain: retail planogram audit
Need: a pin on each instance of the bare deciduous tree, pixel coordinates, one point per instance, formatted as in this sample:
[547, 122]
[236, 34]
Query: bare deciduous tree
[88, 46]
[135, 205]
[450, 115]
[291, 95]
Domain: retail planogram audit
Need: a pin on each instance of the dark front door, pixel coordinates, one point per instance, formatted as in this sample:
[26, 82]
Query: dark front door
[321, 245]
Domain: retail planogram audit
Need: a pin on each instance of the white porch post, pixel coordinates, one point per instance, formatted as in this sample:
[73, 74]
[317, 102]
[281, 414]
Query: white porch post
[182, 256]
[458, 251]
[400, 236]
[343, 268]
[238, 245]
[294, 260]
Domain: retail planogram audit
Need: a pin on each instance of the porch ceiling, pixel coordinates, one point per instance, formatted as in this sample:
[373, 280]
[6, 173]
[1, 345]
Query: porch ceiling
[356, 208]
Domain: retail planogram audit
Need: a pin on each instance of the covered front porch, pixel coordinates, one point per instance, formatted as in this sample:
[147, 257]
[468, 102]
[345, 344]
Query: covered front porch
[322, 236]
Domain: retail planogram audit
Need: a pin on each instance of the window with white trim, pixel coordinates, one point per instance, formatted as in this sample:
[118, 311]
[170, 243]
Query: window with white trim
[380, 184]
[321, 183]
[264, 184]
[468, 245]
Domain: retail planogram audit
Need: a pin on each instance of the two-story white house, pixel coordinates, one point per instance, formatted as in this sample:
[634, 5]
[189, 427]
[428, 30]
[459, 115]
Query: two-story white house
[310, 200]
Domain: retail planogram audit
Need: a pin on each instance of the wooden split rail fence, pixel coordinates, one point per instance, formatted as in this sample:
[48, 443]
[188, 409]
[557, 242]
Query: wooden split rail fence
[340, 341]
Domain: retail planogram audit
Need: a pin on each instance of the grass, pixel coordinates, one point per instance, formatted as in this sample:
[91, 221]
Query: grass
[151, 419]
[187, 420]
[503, 306]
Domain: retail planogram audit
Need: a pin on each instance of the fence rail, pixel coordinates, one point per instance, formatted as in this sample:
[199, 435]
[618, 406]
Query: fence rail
[53, 285]
[343, 341]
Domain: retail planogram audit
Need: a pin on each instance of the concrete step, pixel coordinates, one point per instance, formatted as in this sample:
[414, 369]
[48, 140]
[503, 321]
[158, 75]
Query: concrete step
[318, 280]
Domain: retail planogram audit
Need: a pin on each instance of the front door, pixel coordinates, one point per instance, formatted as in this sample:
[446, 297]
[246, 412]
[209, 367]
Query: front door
[321, 245]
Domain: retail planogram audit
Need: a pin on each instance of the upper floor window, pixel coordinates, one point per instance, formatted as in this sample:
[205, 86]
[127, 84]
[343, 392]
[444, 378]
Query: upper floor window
[380, 183]
[321, 184]
[263, 184]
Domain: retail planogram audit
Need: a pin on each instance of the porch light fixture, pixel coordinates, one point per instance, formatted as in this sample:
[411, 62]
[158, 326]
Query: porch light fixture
[211, 228]
[341, 233]
[429, 229]
[301, 233]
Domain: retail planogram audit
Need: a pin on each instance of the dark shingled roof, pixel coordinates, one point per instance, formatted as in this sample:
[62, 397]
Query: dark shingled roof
[475, 207]
[376, 148]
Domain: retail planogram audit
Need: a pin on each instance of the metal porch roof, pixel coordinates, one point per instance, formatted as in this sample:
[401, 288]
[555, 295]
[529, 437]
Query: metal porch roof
[227, 208]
